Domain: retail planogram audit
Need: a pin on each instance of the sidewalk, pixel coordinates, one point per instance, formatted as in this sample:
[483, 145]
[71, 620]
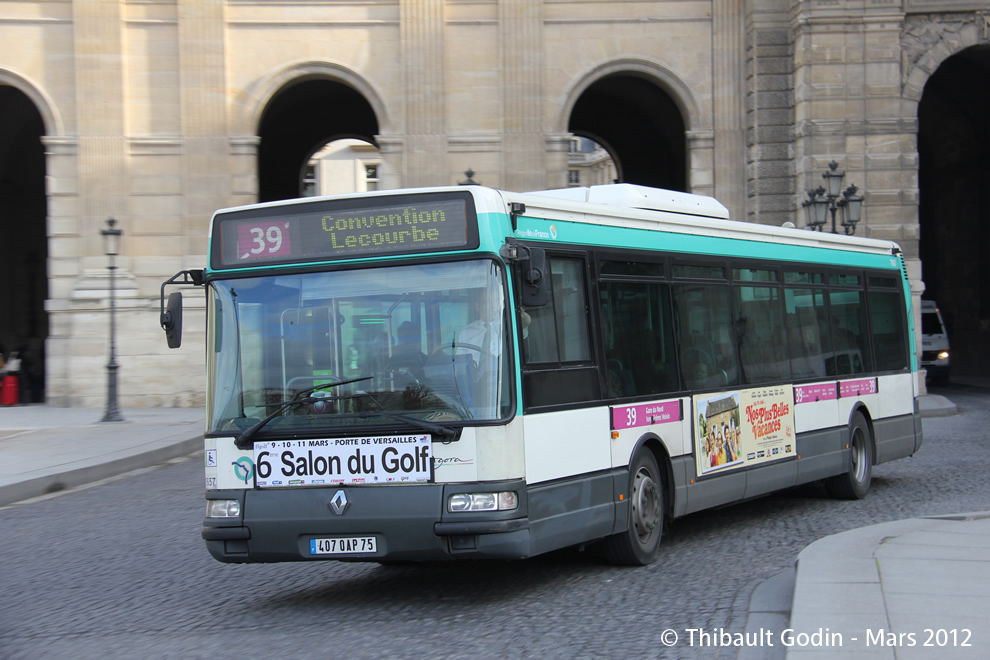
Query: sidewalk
[45, 450]
[916, 588]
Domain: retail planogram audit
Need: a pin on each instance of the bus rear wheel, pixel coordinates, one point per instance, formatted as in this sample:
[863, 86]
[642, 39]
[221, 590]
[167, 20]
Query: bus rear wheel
[855, 484]
[639, 543]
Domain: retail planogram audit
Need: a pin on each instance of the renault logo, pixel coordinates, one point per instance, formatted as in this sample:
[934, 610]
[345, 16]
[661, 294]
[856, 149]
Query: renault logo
[339, 503]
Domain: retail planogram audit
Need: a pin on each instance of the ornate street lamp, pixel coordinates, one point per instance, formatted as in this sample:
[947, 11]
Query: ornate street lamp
[815, 208]
[111, 245]
[824, 200]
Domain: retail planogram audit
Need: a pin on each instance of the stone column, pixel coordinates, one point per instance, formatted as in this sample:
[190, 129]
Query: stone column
[244, 169]
[770, 183]
[100, 119]
[849, 109]
[729, 107]
[521, 69]
[425, 145]
[702, 153]
[557, 148]
[76, 349]
[64, 262]
[206, 181]
[391, 149]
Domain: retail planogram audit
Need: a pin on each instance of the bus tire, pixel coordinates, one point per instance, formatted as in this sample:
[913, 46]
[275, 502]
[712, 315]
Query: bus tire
[855, 483]
[639, 544]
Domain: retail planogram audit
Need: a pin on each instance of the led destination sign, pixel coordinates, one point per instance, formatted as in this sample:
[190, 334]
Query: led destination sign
[313, 231]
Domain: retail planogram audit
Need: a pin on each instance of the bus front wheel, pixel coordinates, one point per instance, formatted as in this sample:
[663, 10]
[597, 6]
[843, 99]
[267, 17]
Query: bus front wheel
[854, 484]
[639, 543]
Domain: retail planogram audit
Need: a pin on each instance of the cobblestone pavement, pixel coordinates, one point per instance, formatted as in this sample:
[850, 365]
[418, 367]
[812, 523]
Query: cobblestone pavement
[119, 570]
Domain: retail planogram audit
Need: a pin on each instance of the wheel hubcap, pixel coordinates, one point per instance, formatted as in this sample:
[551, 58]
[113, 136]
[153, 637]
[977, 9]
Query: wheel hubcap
[858, 456]
[645, 505]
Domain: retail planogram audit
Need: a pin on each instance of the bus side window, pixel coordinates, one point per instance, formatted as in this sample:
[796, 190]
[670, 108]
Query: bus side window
[807, 343]
[889, 331]
[706, 337]
[638, 350]
[850, 336]
[760, 334]
[558, 331]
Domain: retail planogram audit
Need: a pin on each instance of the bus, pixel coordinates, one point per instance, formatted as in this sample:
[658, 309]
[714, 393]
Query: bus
[463, 372]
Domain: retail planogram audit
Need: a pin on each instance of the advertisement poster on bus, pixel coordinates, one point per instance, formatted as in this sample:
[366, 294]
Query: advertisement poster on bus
[743, 427]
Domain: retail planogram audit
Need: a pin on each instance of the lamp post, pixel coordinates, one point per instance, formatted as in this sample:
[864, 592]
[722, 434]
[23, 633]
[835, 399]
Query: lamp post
[469, 181]
[111, 245]
[824, 200]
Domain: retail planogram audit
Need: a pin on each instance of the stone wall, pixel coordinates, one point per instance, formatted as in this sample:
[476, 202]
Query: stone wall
[152, 109]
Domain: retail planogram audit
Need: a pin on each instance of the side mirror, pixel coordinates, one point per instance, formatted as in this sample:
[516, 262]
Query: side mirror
[172, 320]
[171, 315]
[534, 280]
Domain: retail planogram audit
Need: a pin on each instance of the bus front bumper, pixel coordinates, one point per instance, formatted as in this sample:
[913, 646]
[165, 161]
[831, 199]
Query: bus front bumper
[408, 523]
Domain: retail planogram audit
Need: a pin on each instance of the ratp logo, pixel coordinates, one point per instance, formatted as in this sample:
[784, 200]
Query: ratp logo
[244, 469]
[553, 232]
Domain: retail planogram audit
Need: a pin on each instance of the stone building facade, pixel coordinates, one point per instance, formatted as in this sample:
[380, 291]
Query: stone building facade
[158, 112]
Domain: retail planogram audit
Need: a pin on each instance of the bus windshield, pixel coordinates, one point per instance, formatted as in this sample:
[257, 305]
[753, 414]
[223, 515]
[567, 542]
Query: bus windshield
[423, 342]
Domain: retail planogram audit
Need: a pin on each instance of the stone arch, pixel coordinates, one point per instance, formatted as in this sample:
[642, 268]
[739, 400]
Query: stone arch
[928, 40]
[650, 145]
[952, 141]
[651, 70]
[44, 104]
[262, 92]
[29, 120]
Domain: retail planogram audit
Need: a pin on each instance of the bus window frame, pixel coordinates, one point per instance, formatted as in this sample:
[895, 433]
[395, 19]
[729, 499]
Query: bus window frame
[536, 376]
[512, 358]
[898, 291]
[829, 272]
[607, 255]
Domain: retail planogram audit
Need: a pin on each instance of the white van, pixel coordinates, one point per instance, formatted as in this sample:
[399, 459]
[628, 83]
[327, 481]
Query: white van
[934, 342]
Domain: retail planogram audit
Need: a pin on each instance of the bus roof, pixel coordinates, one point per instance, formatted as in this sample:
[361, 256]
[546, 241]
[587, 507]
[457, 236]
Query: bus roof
[629, 206]
[632, 196]
[640, 207]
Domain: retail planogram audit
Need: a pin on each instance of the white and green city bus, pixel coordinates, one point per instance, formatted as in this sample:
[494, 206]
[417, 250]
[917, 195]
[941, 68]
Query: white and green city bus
[465, 372]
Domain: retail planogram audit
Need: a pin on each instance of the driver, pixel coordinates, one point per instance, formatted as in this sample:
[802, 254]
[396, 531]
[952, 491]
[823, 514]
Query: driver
[480, 332]
[407, 356]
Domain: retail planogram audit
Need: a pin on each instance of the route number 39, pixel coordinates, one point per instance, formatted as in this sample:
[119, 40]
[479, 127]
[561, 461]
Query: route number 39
[630, 416]
[265, 240]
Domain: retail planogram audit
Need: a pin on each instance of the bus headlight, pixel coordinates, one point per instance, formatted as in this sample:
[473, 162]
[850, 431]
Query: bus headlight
[223, 509]
[943, 355]
[504, 501]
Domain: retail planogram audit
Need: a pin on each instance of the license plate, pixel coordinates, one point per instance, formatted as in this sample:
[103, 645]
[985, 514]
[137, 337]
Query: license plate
[347, 545]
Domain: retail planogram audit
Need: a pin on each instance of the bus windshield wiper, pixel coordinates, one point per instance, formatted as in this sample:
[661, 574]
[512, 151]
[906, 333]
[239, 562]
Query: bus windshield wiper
[244, 440]
[445, 433]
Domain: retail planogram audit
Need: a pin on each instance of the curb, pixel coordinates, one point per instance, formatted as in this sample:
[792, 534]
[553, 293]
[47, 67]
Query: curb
[936, 405]
[53, 483]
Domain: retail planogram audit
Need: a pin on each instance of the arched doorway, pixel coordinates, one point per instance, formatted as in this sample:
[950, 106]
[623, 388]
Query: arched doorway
[299, 120]
[24, 248]
[953, 143]
[641, 127]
